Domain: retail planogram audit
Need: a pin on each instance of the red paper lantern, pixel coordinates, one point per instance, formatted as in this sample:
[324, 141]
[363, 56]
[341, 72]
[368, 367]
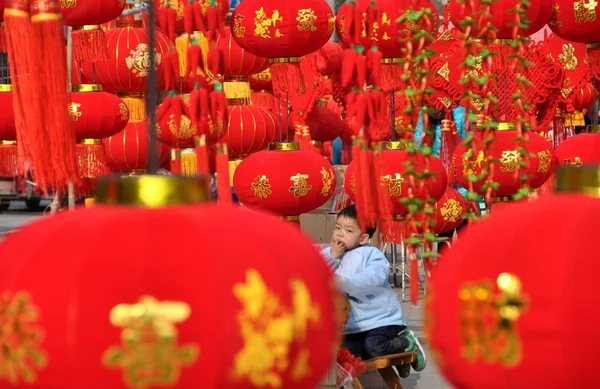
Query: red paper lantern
[575, 21]
[284, 180]
[387, 34]
[249, 129]
[502, 16]
[580, 150]
[8, 129]
[261, 81]
[277, 325]
[583, 97]
[396, 181]
[504, 150]
[179, 7]
[128, 150]
[129, 64]
[493, 321]
[237, 61]
[168, 133]
[78, 13]
[96, 114]
[449, 211]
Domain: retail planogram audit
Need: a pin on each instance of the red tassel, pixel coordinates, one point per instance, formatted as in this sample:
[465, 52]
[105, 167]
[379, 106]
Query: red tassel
[202, 166]
[204, 104]
[348, 67]
[351, 104]
[165, 106]
[195, 106]
[194, 59]
[374, 57]
[212, 21]
[188, 18]
[2, 38]
[171, 23]
[414, 278]
[361, 71]
[170, 84]
[223, 184]
[358, 25]
[162, 18]
[89, 45]
[214, 59]
[91, 160]
[9, 160]
[361, 110]
[373, 17]
[199, 19]
[214, 105]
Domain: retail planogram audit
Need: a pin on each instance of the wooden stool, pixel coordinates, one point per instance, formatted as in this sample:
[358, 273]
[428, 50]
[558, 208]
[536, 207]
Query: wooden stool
[384, 366]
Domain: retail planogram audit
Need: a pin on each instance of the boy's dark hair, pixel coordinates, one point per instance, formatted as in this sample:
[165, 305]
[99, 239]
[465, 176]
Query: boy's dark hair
[350, 213]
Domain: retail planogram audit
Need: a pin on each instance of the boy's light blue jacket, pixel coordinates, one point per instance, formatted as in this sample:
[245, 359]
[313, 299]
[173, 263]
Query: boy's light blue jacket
[365, 272]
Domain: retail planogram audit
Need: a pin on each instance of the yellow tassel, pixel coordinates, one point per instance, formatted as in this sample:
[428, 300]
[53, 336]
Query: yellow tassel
[232, 168]
[568, 120]
[578, 119]
[90, 202]
[137, 107]
[237, 89]
[182, 43]
[188, 163]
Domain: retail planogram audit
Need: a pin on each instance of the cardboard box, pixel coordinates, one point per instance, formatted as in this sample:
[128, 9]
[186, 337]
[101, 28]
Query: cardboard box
[318, 226]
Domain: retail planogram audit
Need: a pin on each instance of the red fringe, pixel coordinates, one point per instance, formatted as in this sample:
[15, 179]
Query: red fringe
[394, 231]
[390, 75]
[366, 195]
[89, 45]
[287, 77]
[202, 167]
[91, 161]
[9, 160]
[2, 39]
[414, 278]
[223, 184]
[264, 100]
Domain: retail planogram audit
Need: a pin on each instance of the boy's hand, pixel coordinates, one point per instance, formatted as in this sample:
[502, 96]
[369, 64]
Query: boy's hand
[337, 249]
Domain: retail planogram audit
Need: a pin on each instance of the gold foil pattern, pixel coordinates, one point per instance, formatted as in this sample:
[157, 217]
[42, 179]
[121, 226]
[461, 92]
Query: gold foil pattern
[306, 20]
[300, 186]
[261, 187]
[266, 26]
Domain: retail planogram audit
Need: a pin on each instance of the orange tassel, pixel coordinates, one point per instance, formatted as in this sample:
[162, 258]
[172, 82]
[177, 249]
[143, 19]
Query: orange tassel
[89, 45]
[202, 167]
[223, 185]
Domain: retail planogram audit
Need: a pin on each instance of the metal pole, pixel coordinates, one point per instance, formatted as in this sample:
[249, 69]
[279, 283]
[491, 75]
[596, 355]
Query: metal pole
[152, 94]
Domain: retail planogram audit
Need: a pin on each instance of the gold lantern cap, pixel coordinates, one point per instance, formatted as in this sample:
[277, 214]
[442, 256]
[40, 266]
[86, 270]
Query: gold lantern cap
[87, 88]
[284, 146]
[506, 126]
[396, 145]
[5, 87]
[584, 180]
[152, 191]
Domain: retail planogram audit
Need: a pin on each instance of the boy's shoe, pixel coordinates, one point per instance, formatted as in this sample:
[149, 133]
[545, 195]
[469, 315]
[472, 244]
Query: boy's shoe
[403, 371]
[415, 346]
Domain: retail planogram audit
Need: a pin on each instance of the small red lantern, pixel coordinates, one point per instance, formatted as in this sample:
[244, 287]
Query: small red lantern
[579, 150]
[249, 129]
[86, 18]
[279, 319]
[284, 180]
[502, 16]
[504, 149]
[128, 150]
[129, 63]
[237, 61]
[394, 178]
[492, 319]
[575, 21]
[179, 7]
[449, 211]
[8, 133]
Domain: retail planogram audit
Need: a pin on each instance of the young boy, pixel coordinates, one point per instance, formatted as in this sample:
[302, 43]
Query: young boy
[376, 325]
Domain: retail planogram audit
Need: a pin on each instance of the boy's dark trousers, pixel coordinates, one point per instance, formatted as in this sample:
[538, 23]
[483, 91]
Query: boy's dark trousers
[377, 342]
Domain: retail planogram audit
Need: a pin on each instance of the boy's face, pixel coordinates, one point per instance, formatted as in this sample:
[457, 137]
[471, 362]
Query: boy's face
[349, 233]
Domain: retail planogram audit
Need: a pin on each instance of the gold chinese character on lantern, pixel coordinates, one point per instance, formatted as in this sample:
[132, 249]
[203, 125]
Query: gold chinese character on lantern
[150, 354]
[238, 29]
[20, 353]
[469, 166]
[68, 3]
[330, 23]
[74, 111]
[585, 10]
[124, 111]
[261, 187]
[488, 320]
[263, 24]
[327, 178]
[572, 162]
[509, 161]
[393, 184]
[567, 58]
[269, 328]
[544, 161]
[300, 186]
[139, 60]
[342, 24]
[451, 211]
[306, 20]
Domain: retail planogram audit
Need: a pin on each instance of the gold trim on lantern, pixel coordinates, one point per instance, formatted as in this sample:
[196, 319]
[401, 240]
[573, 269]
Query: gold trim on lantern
[506, 126]
[175, 154]
[90, 141]
[129, 23]
[584, 180]
[291, 218]
[284, 146]
[221, 149]
[16, 12]
[391, 60]
[43, 17]
[8, 142]
[285, 60]
[593, 129]
[592, 45]
[89, 27]
[200, 140]
[239, 101]
[87, 88]
[396, 145]
[5, 88]
[133, 95]
[152, 191]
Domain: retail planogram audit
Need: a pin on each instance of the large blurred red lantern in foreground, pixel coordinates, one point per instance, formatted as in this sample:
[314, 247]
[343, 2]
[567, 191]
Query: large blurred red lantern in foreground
[394, 178]
[284, 180]
[502, 15]
[504, 149]
[8, 133]
[277, 317]
[494, 323]
[86, 18]
[129, 149]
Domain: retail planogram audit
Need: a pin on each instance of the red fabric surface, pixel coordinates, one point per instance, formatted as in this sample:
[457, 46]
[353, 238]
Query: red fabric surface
[449, 211]
[86, 12]
[82, 264]
[237, 61]
[8, 129]
[261, 81]
[549, 245]
[249, 129]
[294, 39]
[97, 115]
[579, 150]
[567, 25]
[275, 172]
